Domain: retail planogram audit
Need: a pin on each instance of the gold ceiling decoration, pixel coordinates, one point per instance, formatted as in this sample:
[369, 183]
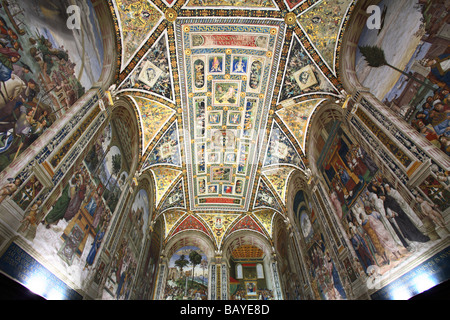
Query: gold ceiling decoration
[226, 85]
[247, 252]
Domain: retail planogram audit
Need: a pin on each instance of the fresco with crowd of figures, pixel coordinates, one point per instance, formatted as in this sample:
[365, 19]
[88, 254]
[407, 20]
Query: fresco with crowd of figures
[415, 39]
[383, 229]
[45, 68]
[70, 233]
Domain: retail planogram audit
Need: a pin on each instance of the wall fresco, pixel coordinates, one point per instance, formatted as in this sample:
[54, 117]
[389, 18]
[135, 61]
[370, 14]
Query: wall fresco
[45, 70]
[419, 95]
[187, 275]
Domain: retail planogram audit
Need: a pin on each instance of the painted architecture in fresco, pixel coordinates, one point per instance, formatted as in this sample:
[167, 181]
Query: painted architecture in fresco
[199, 150]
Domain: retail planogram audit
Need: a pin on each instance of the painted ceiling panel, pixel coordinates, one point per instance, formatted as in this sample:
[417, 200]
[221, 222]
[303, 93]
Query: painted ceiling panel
[190, 223]
[224, 92]
[249, 4]
[174, 199]
[265, 198]
[137, 19]
[228, 76]
[153, 73]
[265, 217]
[303, 76]
[281, 151]
[246, 223]
[164, 178]
[166, 151]
[218, 224]
[153, 116]
[170, 219]
[278, 177]
[296, 117]
[322, 24]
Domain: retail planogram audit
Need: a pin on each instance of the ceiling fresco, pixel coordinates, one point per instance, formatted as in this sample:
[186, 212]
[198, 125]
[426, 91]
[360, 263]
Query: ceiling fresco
[229, 71]
[249, 4]
[322, 24]
[224, 92]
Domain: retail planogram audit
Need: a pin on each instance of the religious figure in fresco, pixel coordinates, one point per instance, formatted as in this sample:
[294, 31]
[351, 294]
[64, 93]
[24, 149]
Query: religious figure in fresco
[212, 189]
[361, 248]
[215, 64]
[199, 73]
[94, 248]
[30, 222]
[439, 70]
[372, 232]
[348, 169]
[325, 279]
[336, 204]
[59, 208]
[77, 194]
[240, 64]
[430, 210]
[9, 188]
[255, 74]
[401, 220]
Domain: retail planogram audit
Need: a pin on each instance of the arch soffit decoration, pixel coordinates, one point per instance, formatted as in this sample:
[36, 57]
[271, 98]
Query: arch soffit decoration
[127, 126]
[297, 183]
[356, 23]
[107, 29]
[330, 112]
[145, 181]
[243, 238]
[190, 238]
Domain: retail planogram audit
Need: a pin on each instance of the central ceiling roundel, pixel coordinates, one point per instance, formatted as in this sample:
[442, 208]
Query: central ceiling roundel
[224, 92]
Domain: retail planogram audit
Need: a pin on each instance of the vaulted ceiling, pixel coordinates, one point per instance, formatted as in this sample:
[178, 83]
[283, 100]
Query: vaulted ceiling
[224, 91]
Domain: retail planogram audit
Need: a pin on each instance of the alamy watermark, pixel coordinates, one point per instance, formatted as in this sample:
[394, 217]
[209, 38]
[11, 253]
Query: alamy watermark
[74, 20]
[374, 21]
